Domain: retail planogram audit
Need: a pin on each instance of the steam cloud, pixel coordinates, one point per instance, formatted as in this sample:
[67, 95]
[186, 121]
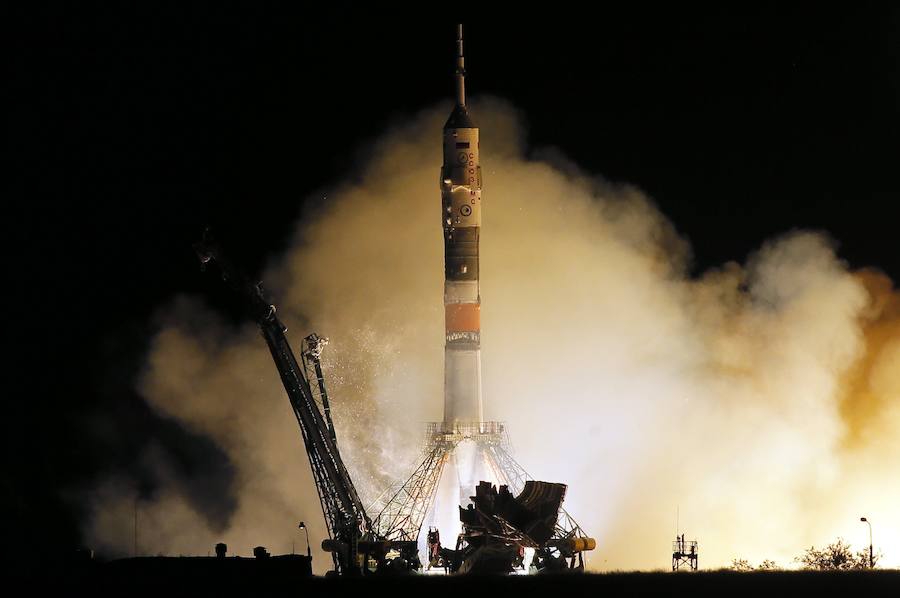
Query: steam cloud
[761, 401]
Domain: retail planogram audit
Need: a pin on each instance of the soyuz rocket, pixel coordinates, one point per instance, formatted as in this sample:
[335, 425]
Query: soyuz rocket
[461, 216]
[475, 450]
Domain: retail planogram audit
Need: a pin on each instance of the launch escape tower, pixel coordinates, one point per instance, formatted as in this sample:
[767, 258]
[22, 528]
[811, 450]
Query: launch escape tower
[684, 554]
[475, 449]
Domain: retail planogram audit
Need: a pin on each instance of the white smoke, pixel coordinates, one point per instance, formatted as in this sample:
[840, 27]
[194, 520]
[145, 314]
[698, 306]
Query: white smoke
[645, 390]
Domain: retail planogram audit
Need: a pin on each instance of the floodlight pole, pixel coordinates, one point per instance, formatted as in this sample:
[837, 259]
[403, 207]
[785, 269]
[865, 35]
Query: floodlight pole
[871, 552]
[306, 531]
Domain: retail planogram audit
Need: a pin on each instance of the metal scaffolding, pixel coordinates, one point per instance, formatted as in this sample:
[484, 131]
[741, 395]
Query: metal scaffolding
[402, 514]
[684, 554]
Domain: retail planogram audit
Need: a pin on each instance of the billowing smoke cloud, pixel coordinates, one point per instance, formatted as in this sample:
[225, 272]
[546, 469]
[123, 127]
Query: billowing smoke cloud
[760, 401]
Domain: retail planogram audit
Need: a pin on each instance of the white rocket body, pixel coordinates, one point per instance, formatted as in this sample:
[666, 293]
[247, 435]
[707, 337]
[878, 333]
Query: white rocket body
[461, 220]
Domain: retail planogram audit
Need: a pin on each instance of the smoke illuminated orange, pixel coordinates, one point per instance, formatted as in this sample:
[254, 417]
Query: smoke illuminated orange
[761, 400]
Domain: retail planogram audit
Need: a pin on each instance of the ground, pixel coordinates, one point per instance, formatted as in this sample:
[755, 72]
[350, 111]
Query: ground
[285, 575]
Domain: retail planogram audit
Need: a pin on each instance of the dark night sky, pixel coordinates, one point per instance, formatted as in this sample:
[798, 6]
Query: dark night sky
[131, 131]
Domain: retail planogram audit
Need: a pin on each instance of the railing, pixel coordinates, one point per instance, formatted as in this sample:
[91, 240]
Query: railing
[465, 429]
[684, 547]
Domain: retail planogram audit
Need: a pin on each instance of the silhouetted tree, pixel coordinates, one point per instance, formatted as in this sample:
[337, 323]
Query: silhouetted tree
[837, 556]
[741, 565]
[744, 566]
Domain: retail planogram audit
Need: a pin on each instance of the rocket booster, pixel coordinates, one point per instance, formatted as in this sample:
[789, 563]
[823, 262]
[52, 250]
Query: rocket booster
[461, 215]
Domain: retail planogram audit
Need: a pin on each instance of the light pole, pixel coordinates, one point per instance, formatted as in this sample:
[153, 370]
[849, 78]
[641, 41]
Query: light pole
[871, 554]
[306, 531]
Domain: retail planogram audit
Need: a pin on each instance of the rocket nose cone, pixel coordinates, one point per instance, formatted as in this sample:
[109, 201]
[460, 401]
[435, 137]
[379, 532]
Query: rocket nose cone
[460, 119]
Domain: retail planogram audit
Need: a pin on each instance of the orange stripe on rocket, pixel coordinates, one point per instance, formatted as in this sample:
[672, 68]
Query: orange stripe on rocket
[462, 317]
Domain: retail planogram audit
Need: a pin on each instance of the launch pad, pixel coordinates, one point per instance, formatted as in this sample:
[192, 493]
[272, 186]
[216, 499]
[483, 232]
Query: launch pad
[404, 507]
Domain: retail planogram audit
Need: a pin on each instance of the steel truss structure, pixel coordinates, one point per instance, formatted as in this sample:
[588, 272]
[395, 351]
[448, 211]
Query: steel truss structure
[345, 516]
[402, 513]
[685, 553]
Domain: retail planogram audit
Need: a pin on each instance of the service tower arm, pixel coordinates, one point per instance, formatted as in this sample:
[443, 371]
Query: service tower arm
[344, 513]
